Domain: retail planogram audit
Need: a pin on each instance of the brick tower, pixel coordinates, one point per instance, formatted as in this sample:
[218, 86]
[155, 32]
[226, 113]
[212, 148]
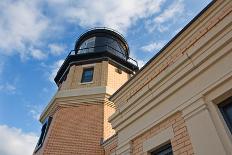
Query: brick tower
[76, 119]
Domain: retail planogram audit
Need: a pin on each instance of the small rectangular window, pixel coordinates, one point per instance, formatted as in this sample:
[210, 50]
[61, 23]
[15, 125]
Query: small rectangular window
[44, 131]
[226, 110]
[87, 75]
[164, 150]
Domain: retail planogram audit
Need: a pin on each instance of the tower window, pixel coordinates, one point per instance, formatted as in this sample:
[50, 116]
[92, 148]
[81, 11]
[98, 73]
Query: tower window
[226, 110]
[164, 150]
[87, 75]
[44, 131]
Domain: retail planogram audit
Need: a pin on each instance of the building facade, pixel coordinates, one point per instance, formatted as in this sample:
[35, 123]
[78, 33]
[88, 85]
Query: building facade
[179, 103]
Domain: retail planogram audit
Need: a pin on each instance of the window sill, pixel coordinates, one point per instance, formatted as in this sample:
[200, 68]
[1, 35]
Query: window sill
[85, 83]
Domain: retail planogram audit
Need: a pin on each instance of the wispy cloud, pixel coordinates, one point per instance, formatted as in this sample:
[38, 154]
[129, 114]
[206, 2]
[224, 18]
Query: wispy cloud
[177, 7]
[34, 111]
[38, 54]
[153, 47]
[56, 49]
[171, 14]
[8, 88]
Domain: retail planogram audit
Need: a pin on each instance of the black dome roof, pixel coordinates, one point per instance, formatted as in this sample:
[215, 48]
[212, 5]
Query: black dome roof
[102, 31]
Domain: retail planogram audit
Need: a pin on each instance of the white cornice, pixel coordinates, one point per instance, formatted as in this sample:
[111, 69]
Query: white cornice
[83, 95]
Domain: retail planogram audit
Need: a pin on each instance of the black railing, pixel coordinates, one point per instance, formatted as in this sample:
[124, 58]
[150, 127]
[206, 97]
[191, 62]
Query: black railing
[102, 48]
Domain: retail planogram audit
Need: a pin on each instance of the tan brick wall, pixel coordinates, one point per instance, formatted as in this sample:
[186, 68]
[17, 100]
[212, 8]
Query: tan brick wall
[181, 144]
[104, 75]
[116, 80]
[76, 130]
[74, 76]
[108, 131]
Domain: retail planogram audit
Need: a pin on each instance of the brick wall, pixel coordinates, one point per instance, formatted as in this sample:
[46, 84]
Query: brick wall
[79, 129]
[74, 76]
[104, 75]
[110, 149]
[181, 144]
[110, 145]
[116, 80]
[108, 131]
[76, 130]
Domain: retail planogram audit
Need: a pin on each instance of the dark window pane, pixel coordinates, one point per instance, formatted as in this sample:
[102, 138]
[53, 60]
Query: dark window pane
[101, 41]
[164, 150]
[44, 131]
[226, 110]
[88, 45]
[42, 134]
[87, 75]
[101, 44]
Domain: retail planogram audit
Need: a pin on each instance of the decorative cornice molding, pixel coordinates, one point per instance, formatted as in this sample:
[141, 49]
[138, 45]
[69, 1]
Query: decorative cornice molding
[151, 93]
[171, 59]
[77, 97]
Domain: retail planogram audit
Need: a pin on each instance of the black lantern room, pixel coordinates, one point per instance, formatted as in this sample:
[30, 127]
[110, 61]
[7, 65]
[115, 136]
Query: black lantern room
[96, 45]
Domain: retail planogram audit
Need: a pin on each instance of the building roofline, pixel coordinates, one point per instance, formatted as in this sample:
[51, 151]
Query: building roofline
[165, 47]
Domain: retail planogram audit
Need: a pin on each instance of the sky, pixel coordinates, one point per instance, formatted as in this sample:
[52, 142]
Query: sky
[37, 35]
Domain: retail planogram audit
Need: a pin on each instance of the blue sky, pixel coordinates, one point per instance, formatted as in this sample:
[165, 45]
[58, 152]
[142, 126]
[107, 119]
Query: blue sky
[36, 37]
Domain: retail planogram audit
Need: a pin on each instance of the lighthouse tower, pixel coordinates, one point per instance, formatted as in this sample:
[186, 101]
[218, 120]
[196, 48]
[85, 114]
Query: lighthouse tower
[76, 119]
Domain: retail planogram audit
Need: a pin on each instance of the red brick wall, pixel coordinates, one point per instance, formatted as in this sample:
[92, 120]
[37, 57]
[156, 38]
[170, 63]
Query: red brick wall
[76, 130]
[181, 144]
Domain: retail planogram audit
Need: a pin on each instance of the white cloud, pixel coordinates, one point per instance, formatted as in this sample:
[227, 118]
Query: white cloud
[54, 68]
[141, 63]
[25, 26]
[22, 24]
[117, 14]
[171, 13]
[174, 9]
[38, 54]
[56, 49]
[35, 114]
[15, 142]
[8, 88]
[34, 111]
[152, 47]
